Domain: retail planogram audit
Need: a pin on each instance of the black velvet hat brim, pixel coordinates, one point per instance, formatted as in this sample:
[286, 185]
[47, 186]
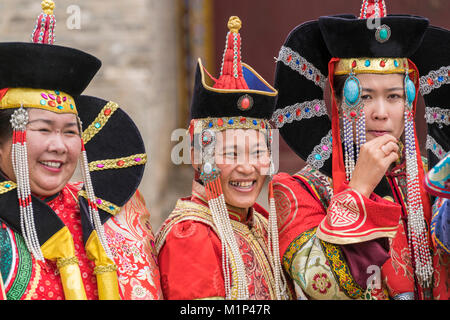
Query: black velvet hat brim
[294, 88]
[347, 37]
[215, 103]
[118, 138]
[44, 66]
[432, 55]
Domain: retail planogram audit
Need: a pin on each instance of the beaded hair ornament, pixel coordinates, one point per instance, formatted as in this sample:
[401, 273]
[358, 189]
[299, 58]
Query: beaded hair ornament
[354, 133]
[33, 98]
[231, 77]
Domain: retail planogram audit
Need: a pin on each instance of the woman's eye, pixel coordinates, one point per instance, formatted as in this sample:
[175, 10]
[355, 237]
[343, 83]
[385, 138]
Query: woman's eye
[395, 96]
[366, 97]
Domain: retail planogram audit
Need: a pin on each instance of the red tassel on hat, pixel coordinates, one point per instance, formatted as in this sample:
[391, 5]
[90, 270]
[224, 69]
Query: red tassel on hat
[44, 31]
[231, 73]
[373, 9]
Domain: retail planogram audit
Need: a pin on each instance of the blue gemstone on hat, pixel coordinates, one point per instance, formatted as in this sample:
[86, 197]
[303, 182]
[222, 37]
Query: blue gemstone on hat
[210, 124]
[43, 102]
[383, 33]
[410, 90]
[318, 157]
[111, 208]
[310, 71]
[7, 185]
[59, 107]
[57, 92]
[230, 121]
[255, 122]
[396, 63]
[306, 109]
[288, 115]
[351, 91]
[440, 78]
[297, 62]
[367, 63]
[97, 125]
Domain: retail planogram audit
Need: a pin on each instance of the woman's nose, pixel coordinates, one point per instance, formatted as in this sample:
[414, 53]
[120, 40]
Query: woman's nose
[379, 111]
[56, 144]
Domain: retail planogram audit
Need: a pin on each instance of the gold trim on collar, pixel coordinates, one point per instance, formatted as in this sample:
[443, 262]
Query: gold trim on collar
[371, 65]
[51, 100]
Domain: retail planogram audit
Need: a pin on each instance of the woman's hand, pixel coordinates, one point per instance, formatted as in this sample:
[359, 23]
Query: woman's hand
[374, 159]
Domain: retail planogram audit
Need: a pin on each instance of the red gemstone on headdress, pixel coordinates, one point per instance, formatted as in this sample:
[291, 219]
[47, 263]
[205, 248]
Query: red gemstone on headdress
[220, 122]
[354, 64]
[289, 58]
[262, 124]
[353, 114]
[243, 119]
[304, 67]
[52, 103]
[383, 63]
[298, 112]
[245, 103]
[317, 78]
[120, 163]
[58, 99]
[280, 118]
[107, 112]
[430, 81]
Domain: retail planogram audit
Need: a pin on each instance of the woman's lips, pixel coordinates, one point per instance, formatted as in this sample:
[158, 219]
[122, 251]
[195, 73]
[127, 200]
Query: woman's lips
[53, 166]
[243, 186]
[378, 133]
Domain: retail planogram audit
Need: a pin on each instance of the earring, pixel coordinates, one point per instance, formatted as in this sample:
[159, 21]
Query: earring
[353, 120]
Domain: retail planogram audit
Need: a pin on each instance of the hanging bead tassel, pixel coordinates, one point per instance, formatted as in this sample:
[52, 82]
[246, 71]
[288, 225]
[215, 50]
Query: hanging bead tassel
[19, 120]
[417, 230]
[93, 211]
[230, 248]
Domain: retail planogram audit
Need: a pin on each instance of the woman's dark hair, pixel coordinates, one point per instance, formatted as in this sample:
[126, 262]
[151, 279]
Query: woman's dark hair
[338, 86]
[5, 125]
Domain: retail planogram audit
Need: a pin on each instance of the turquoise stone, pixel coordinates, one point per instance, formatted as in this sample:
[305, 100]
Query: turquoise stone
[410, 90]
[318, 157]
[367, 63]
[351, 91]
[43, 102]
[383, 34]
[97, 125]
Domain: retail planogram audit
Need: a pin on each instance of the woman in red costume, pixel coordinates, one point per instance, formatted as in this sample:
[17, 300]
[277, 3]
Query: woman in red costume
[60, 239]
[218, 243]
[354, 222]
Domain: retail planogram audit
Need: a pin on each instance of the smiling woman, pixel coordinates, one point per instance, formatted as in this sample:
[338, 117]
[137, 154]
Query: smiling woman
[60, 239]
[228, 241]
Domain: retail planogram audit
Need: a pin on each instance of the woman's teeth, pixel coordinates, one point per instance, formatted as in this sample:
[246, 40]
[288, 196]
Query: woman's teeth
[242, 184]
[51, 164]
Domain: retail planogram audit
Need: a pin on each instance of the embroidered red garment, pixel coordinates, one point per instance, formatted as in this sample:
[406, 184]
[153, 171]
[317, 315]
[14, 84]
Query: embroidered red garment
[190, 256]
[129, 236]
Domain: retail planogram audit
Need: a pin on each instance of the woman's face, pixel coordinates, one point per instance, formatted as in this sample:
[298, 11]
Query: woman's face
[53, 146]
[243, 159]
[384, 104]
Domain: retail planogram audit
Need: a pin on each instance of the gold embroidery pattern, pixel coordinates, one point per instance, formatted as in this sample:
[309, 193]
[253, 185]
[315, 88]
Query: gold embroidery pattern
[104, 269]
[99, 122]
[119, 163]
[295, 247]
[186, 210]
[62, 262]
[225, 123]
[105, 205]
[341, 271]
[6, 186]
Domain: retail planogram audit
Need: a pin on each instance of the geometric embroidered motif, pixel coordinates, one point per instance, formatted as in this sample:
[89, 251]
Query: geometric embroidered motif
[343, 211]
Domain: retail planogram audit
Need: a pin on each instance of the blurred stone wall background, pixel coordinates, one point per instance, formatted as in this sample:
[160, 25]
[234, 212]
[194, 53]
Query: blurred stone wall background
[149, 50]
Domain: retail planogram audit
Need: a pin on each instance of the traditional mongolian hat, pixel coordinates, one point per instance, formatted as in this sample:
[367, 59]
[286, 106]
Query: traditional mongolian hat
[375, 42]
[239, 99]
[50, 77]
